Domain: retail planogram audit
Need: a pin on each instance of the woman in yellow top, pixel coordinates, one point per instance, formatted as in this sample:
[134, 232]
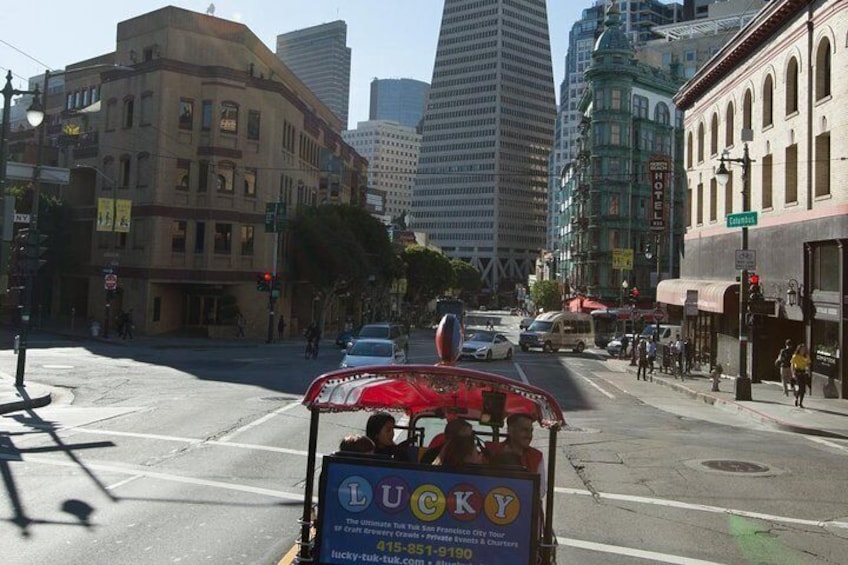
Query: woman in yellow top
[800, 363]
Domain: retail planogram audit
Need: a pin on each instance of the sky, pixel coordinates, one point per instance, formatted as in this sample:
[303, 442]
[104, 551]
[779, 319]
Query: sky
[388, 38]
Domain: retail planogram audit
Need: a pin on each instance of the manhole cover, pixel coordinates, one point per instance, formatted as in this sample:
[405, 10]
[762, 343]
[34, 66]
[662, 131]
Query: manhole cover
[729, 466]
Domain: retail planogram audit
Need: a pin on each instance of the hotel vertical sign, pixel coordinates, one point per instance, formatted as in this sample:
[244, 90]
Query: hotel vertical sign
[659, 169]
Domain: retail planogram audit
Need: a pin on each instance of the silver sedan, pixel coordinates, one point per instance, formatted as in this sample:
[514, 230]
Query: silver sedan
[373, 352]
[486, 345]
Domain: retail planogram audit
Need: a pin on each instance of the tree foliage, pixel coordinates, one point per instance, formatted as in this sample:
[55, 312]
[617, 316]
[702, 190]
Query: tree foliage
[546, 294]
[428, 273]
[466, 277]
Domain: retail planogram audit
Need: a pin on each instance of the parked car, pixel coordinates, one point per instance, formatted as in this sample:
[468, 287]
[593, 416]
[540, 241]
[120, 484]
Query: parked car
[386, 330]
[367, 351]
[614, 346]
[486, 345]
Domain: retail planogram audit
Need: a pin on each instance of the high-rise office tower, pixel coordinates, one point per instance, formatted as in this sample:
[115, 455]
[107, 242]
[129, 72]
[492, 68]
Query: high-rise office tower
[320, 57]
[400, 100]
[481, 188]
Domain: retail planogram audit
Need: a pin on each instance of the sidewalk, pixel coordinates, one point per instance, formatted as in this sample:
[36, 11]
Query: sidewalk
[824, 417]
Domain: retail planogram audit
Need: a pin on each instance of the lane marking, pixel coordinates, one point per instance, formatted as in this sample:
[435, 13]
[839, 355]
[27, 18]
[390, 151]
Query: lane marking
[161, 476]
[704, 508]
[260, 421]
[123, 482]
[651, 556]
[521, 373]
[827, 443]
[587, 379]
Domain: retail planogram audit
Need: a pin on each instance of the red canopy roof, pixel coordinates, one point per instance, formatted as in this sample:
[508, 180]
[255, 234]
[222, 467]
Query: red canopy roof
[421, 390]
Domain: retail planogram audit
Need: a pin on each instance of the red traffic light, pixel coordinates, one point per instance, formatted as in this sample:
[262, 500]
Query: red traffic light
[635, 292]
[754, 278]
[267, 277]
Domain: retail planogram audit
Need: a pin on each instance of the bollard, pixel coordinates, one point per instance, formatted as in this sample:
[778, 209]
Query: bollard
[17, 343]
[716, 377]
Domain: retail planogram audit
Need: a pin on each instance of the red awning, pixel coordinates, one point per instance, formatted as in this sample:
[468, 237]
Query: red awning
[586, 305]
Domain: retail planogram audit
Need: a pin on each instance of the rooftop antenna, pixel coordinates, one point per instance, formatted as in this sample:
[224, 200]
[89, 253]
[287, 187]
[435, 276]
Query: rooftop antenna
[210, 11]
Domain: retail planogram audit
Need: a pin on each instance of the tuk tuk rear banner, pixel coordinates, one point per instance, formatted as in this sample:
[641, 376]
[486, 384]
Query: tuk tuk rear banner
[371, 511]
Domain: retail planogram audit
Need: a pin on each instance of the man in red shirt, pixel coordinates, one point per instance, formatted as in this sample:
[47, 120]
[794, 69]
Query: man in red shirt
[519, 434]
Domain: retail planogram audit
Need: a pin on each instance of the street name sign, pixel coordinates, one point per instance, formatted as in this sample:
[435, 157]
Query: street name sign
[275, 217]
[742, 219]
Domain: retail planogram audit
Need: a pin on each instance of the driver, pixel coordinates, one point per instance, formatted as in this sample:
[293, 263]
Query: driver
[519, 434]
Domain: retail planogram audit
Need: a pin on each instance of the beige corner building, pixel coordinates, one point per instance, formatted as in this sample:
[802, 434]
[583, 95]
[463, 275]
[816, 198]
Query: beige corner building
[200, 126]
[777, 90]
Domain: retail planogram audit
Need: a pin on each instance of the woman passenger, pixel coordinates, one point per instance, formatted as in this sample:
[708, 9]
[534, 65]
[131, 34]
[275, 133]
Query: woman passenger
[380, 428]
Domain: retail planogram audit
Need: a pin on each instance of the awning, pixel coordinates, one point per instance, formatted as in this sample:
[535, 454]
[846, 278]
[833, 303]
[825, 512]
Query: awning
[585, 305]
[712, 294]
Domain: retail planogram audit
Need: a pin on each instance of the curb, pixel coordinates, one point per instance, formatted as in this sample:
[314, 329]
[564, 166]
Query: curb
[751, 412]
[26, 403]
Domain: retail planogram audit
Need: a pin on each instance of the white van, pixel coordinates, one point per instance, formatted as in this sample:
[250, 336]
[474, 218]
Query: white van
[552, 331]
[667, 333]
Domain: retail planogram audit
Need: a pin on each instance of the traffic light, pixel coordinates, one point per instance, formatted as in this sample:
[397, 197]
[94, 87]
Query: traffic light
[755, 291]
[263, 282]
[634, 295]
[35, 250]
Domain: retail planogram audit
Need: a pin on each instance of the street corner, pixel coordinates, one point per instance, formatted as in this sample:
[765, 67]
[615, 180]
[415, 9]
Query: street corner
[14, 399]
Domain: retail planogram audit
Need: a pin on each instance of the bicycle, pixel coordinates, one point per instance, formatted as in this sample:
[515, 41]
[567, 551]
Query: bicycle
[311, 350]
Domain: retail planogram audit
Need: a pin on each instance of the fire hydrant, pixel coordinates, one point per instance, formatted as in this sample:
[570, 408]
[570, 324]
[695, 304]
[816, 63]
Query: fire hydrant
[715, 376]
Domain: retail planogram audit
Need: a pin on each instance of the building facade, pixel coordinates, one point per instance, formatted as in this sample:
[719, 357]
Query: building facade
[616, 213]
[320, 57]
[400, 100]
[771, 95]
[481, 188]
[199, 128]
[392, 153]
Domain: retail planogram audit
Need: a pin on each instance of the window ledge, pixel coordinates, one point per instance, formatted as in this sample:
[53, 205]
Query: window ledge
[792, 114]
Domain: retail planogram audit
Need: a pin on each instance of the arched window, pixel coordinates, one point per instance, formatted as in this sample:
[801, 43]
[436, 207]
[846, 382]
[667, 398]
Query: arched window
[714, 135]
[823, 69]
[768, 101]
[746, 110]
[792, 86]
[224, 176]
[700, 143]
[690, 151]
[661, 114]
[729, 125]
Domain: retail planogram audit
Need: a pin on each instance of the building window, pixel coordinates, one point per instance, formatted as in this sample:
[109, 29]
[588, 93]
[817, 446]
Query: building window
[144, 170]
[202, 176]
[206, 115]
[768, 101]
[728, 195]
[661, 114]
[746, 110]
[713, 200]
[178, 236]
[250, 182]
[690, 151]
[822, 174]
[615, 134]
[146, 109]
[229, 117]
[823, 70]
[247, 240]
[640, 106]
[614, 205]
[157, 308]
[700, 203]
[714, 135]
[616, 99]
[129, 106]
[729, 125]
[186, 114]
[183, 174]
[768, 200]
[199, 237]
[124, 172]
[791, 173]
[701, 142]
[253, 125]
[224, 174]
[792, 86]
[223, 238]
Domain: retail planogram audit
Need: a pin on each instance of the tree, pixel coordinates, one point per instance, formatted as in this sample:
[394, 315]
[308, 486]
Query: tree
[546, 294]
[337, 248]
[428, 273]
[466, 277]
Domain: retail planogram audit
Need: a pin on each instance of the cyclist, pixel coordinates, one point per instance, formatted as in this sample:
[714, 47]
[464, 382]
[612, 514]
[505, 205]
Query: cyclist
[313, 337]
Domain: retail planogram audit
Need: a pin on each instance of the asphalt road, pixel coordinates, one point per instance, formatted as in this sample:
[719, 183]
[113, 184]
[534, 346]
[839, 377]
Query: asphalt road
[160, 453]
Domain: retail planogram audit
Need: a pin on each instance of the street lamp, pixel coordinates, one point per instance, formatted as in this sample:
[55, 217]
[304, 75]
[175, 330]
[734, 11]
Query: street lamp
[35, 116]
[624, 286]
[722, 176]
[795, 290]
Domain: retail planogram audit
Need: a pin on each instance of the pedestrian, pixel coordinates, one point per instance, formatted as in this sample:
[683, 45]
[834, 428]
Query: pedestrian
[679, 350]
[128, 325]
[784, 364]
[800, 363]
[622, 352]
[652, 354]
[642, 360]
[281, 326]
[241, 322]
